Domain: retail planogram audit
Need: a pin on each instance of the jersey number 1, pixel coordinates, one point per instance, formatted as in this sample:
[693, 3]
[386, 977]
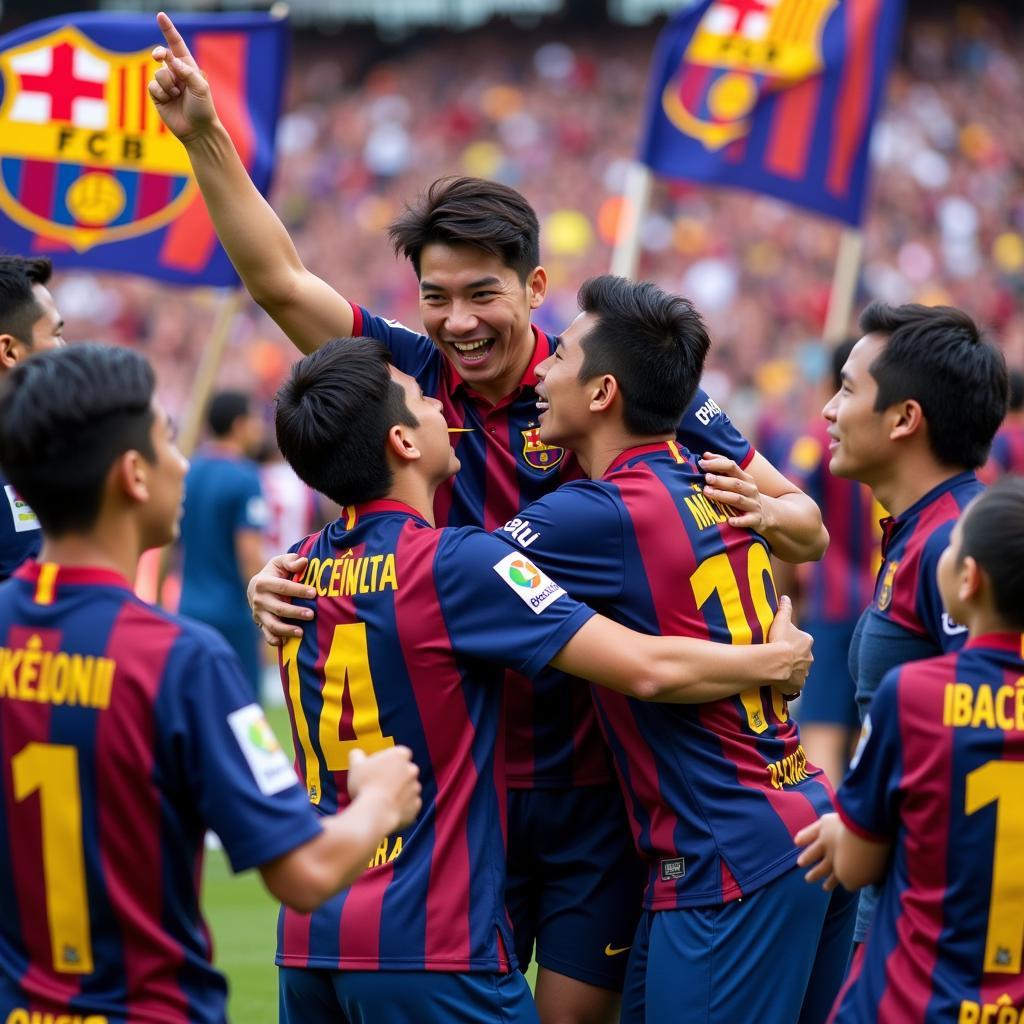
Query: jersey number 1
[52, 771]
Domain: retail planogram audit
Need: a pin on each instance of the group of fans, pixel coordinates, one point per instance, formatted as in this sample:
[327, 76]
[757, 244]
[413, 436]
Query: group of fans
[659, 841]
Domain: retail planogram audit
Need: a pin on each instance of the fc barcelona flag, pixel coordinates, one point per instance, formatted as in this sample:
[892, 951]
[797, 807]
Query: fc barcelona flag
[89, 174]
[776, 96]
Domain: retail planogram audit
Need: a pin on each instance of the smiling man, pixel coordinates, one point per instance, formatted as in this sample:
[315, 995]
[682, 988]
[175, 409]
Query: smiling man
[474, 246]
[921, 398]
[29, 323]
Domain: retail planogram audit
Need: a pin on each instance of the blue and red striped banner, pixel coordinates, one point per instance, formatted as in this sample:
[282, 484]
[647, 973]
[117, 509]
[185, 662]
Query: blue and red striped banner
[89, 174]
[775, 96]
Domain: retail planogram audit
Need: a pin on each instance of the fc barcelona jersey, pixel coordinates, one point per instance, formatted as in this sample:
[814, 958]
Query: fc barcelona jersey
[715, 791]
[552, 738]
[940, 776]
[413, 627]
[125, 733]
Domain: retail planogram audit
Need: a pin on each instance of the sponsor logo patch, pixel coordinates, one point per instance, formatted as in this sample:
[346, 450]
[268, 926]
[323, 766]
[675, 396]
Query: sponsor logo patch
[527, 581]
[673, 870]
[268, 763]
[23, 517]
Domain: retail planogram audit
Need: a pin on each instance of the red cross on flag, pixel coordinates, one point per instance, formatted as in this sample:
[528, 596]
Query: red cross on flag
[61, 83]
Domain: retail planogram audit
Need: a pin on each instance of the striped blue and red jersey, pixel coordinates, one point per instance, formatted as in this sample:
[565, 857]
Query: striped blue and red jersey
[838, 587]
[552, 739]
[20, 536]
[413, 627]
[939, 776]
[905, 621]
[125, 734]
[715, 791]
[1007, 454]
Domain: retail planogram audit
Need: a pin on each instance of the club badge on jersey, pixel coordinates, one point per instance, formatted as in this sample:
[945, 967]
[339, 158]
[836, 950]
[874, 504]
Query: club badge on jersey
[537, 454]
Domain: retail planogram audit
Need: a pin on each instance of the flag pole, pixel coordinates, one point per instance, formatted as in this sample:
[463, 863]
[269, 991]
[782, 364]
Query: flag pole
[844, 285]
[626, 254]
[228, 306]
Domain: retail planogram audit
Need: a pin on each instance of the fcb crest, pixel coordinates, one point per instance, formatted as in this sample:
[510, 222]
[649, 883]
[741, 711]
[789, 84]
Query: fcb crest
[885, 590]
[84, 158]
[537, 454]
[741, 50]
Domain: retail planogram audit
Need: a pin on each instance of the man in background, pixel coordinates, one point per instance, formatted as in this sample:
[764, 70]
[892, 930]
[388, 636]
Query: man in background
[29, 323]
[221, 533]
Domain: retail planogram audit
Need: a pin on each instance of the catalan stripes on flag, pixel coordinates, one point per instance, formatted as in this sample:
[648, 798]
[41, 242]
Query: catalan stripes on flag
[90, 176]
[775, 96]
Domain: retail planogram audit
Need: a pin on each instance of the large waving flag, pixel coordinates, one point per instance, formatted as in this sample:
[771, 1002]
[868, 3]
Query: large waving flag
[88, 172]
[776, 96]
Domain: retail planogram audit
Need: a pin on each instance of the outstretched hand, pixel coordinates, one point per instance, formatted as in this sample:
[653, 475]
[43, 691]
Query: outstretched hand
[179, 89]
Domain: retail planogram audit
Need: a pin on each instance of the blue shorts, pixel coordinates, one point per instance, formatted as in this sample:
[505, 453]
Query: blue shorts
[828, 697]
[575, 883]
[318, 996]
[777, 955]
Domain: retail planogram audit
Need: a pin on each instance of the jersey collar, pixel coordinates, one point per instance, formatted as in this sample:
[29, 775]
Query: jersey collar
[351, 514]
[670, 447]
[543, 346]
[1013, 642]
[890, 523]
[46, 577]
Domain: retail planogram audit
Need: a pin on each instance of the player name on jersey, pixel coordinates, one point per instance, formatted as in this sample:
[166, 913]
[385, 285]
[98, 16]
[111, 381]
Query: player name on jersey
[349, 574]
[55, 677]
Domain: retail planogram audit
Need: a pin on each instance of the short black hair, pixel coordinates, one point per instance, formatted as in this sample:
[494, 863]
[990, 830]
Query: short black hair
[470, 211]
[937, 356]
[653, 343]
[1016, 402]
[66, 416]
[839, 356]
[224, 409]
[333, 416]
[992, 533]
[18, 307]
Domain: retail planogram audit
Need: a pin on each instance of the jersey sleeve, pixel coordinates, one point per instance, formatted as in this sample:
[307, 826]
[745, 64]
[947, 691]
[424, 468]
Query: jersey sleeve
[868, 801]
[948, 634]
[499, 606]
[575, 534]
[413, 353]
[706, 428]
[230, 762]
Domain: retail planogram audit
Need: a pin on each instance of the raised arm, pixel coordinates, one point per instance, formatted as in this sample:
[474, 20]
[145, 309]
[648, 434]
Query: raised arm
[306, 308]
[686, 670]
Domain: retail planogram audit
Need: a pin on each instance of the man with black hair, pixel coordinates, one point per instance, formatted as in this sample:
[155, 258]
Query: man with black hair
[717, 791]
[29, 322]
[921, 397]
[931, 807]
[222, 529]
[831, 593]
[127, 732]
[474, 246]
[414, 626]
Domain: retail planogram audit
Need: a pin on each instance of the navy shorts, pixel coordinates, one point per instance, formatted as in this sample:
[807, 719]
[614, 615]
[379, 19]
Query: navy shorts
[779, 954]
[828, 697]
[575, 883]
[319, 996]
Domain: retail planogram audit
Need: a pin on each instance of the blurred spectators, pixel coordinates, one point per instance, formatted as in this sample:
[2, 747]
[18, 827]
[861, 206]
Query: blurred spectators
[559, 119]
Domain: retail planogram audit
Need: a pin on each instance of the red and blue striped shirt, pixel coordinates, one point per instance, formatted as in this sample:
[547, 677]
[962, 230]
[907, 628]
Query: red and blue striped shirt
[715, 791]
[940, 776]
[413, 627]
[125, 733]
[552, 739]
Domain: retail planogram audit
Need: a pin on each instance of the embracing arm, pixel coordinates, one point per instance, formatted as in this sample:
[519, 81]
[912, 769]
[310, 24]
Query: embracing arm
[306, 308]
[837, 854]
[769, 503]
[686, 670]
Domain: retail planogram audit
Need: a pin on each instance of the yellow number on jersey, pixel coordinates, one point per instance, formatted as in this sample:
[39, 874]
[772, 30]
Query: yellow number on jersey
[52, 771]
[715, 576]
[347, 668]
[1002, 782]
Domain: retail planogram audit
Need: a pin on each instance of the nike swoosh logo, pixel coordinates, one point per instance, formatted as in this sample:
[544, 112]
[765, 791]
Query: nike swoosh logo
[610, 951]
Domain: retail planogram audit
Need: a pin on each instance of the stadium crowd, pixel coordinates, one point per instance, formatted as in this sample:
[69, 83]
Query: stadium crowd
[362, 135]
